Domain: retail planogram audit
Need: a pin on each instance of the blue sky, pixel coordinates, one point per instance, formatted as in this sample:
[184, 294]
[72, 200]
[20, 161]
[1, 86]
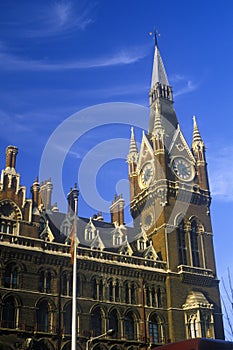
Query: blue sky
[59, 57]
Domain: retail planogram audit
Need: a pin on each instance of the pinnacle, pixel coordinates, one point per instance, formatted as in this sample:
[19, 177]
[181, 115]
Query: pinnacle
[196, 132]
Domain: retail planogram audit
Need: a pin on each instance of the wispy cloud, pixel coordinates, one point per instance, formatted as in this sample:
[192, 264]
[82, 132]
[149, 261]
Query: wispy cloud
[122, 57]
[185, 87]
[221, 169]
[53, 18]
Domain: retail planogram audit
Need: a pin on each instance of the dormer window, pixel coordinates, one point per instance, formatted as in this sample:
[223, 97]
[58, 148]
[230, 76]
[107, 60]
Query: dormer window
[90, 231]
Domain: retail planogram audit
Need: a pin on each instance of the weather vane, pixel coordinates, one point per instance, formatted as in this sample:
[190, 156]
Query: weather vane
[156, 35]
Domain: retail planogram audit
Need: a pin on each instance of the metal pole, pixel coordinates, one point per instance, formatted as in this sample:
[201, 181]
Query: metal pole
[74, 300]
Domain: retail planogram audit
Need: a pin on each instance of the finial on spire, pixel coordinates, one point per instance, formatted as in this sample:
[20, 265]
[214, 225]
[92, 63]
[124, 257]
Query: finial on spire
[156, 34]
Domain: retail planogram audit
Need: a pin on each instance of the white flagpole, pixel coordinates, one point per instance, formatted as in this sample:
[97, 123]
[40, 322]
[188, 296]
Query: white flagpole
[74, 299]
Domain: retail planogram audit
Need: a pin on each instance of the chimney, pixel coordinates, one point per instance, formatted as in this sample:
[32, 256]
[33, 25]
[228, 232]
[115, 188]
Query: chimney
[35, 189]
[117, 210]
[11, 153]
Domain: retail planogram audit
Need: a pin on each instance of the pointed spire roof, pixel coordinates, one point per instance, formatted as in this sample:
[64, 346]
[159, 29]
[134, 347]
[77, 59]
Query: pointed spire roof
[196, 132]
[159, 74]
[133, 150]
[133, 146]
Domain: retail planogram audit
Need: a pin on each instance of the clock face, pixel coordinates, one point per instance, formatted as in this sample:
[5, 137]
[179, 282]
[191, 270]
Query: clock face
[148, 221]
[183, 169]
[147, 174]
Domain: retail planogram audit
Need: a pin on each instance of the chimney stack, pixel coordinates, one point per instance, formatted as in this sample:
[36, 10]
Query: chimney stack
[11, 153]
[117, 210]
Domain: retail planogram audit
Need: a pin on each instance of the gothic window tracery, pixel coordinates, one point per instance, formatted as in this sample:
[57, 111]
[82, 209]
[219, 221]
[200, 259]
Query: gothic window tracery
[198, 316]
[10, 215]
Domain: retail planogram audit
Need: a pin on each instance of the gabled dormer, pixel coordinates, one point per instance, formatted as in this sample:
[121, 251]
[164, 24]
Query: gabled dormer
[90, 231]
[97, 243]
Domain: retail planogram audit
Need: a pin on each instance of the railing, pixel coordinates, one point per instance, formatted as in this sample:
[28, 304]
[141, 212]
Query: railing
[195, 270]
[92, 254]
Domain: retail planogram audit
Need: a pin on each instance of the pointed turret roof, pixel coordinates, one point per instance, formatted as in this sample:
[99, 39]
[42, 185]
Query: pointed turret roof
[133, 150]
[159, 74]
[196, 132]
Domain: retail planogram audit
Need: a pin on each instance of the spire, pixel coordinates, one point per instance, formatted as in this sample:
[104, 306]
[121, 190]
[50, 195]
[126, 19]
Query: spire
[158, 74]
[196, 132]
[133, 150]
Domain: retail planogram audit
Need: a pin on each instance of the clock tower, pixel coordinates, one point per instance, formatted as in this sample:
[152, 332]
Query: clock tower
[170, 198]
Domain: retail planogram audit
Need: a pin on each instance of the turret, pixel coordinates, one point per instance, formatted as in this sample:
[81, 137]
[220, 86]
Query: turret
[158, 131]
[133, 153]
[198, 149]
[132, 160]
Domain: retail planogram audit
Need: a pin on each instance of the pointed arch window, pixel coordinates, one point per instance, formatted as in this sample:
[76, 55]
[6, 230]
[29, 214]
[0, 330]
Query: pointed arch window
[193, 328]
[194, 244]
[9, 313]
[45, 279]
[11, 276]
[67, 319]
[44, 317]
[114, 322]
[129, 326]
[96, 322]
[66, 284]
[181, 240]
[10, 215]
[111, 290]
[117, 291]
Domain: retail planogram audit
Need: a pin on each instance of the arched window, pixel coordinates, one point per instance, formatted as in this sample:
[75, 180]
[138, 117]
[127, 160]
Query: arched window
[110, 289]
[159, 297]
[147, 290]
[193, 328]
[11, 276]
[10, 215]
[117, 291]
[155, 329]
[126, 288]
[181, 240]
[66, 284]
[94, 288]
[43, 317]
[133, 293]
[97, 288]
[129, 326]
[114, 323]
[9, 313]
[67, 319]
[194, 244]
[96, 322]
[45, 280]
